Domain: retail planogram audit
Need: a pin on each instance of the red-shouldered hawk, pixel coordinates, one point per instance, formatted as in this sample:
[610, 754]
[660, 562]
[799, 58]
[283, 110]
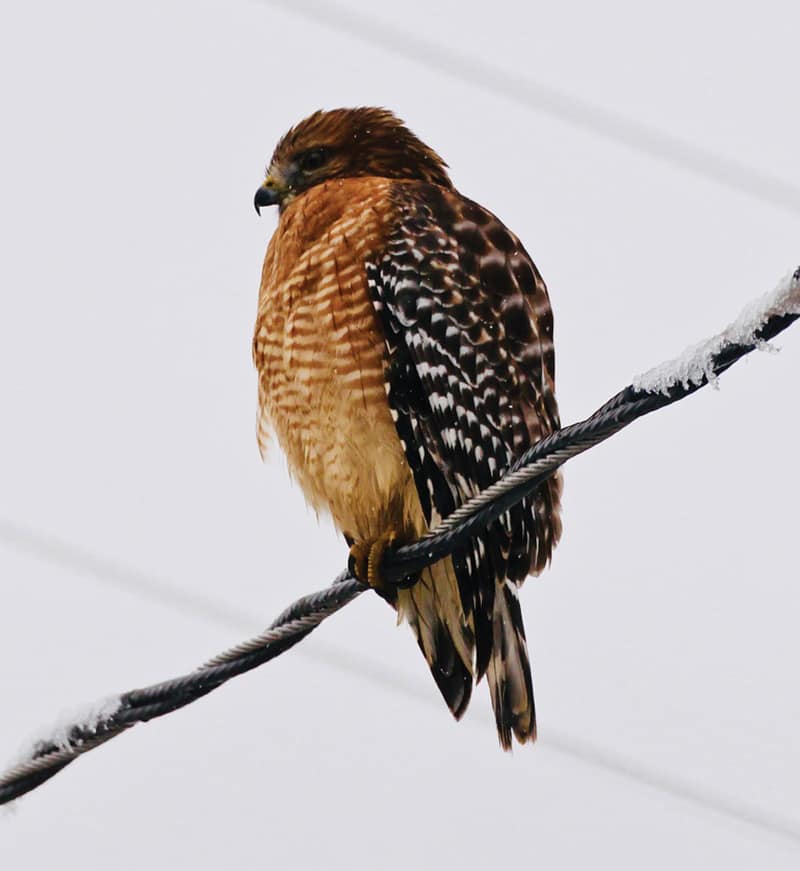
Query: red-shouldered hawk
[404, 347]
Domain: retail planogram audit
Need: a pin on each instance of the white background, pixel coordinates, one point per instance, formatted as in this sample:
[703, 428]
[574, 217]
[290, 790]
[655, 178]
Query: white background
[648, 159]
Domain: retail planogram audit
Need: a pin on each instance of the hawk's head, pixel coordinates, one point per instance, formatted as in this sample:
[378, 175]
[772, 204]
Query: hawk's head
[344, 143]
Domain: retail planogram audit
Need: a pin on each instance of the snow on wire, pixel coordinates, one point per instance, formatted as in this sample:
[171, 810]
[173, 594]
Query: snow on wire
[661, 386]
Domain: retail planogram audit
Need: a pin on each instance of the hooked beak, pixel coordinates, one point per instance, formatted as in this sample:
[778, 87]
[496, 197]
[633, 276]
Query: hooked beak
[269, 194]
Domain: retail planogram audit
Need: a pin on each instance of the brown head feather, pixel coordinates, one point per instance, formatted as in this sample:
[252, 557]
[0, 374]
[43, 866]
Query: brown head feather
[345, 143]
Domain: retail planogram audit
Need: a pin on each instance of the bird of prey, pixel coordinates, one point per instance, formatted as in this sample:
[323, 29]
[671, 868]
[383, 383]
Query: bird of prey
[404, 348]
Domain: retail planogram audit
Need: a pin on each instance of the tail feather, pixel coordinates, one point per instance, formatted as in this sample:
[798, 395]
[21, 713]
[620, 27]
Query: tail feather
[433, 609]
[452, 677]
[509, 670]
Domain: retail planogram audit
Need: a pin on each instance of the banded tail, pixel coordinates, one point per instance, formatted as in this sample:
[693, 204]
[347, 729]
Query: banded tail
[509, 670]
[446, 637]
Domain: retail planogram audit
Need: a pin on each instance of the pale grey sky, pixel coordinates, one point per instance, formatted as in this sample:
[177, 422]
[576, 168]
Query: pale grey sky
[139, 532]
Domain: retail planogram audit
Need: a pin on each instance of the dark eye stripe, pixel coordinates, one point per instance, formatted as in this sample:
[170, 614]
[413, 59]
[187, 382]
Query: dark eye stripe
[313, 159]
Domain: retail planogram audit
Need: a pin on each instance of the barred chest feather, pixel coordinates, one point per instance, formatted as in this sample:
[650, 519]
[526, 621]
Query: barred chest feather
[318, 350]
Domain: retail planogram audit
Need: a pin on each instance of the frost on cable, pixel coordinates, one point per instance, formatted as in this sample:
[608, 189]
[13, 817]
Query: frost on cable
[71, 735]
[73, 730]
[696, 362]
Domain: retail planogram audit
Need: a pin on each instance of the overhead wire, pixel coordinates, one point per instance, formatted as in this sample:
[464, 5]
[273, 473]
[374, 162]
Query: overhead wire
[611, 125]
[50, 756]
[63, 554]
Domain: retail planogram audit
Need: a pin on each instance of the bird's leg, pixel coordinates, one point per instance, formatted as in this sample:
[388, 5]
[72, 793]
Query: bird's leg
[366, 557]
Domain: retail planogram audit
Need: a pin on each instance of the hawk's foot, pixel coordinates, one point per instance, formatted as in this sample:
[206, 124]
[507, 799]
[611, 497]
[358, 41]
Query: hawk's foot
[365, 560]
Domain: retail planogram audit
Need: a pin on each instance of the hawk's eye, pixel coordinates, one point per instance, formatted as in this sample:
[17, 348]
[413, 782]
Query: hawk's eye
[313, 159]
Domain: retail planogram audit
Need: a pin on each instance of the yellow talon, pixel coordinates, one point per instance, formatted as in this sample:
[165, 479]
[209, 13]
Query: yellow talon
[366, 557]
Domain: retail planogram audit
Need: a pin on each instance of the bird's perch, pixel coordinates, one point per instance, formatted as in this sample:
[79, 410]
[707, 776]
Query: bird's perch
[659, 387]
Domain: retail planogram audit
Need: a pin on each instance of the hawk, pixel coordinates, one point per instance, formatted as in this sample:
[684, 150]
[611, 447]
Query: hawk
[404, 349]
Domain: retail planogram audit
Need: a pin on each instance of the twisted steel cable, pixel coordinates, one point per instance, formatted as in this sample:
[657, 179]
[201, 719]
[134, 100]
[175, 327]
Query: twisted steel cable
[49, 756]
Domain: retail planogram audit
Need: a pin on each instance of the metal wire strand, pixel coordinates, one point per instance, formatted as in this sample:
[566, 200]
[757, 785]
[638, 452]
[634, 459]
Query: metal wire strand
[48, 757]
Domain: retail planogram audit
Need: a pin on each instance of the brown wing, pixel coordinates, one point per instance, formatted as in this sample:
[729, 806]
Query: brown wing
[470, 380]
